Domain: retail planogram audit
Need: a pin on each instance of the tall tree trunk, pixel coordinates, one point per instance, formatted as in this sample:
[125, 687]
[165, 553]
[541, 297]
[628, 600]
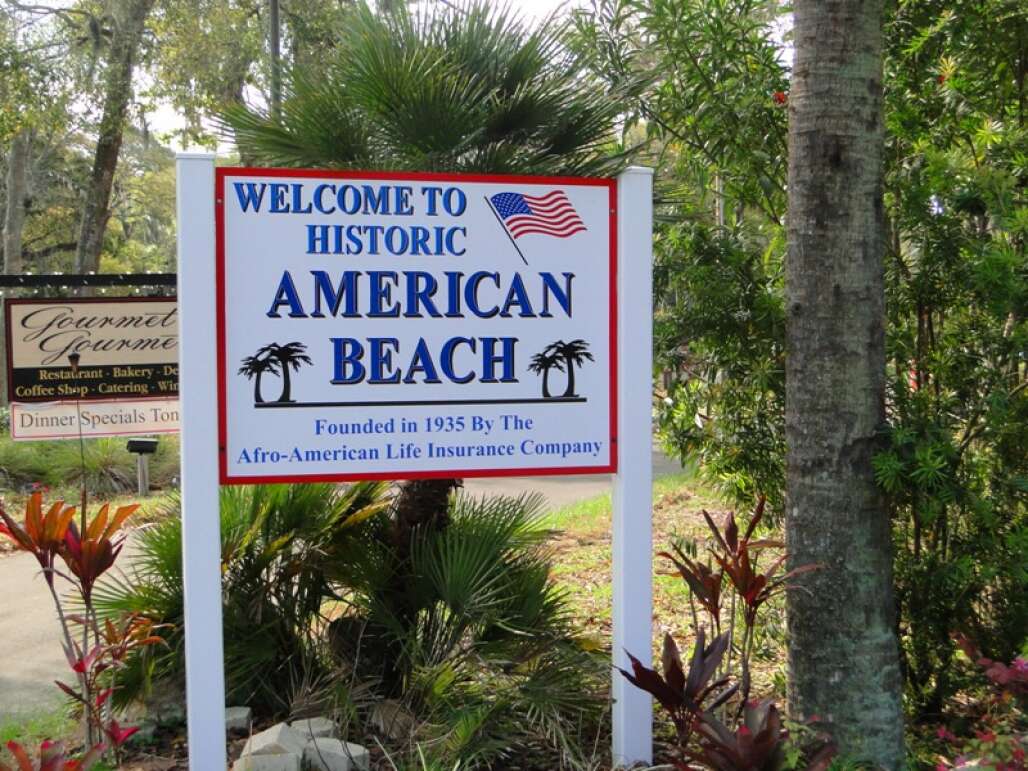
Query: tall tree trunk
[117, 95]
[16, 190]
[14, 208]
[843, 650]
[275, 46]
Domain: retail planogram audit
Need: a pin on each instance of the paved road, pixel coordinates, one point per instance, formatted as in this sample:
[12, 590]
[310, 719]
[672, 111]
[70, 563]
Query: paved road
[560, 491]
[30, 650]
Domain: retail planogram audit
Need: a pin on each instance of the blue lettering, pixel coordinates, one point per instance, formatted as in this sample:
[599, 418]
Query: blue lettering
[347, 354]
[333, 296]
[421, 362]
[418, 296]
[249, 195]
[490, 359]
[450, 247]
[278, 198]
[382, 361]
[382, 292]
[562, 296]
[286, 295]
[317, 239]
[471, 293]
[319, 203]
[298, 201]
[446, 360]
[517, 295]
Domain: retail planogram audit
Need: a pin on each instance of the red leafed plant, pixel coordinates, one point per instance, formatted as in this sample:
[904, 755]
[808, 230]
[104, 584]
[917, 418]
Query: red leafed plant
[1011, 678]
[41, 535]
[96, 651]
[685, 697]
[52, 757]
[98, 668]
[999, 743]
[693, 700]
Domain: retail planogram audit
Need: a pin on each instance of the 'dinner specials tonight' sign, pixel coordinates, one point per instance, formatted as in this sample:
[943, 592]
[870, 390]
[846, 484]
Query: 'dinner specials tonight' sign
[398, 326]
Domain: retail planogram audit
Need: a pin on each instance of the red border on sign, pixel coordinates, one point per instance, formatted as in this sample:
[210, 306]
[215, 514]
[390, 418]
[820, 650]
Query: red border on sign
[224, 172]
[9, 363]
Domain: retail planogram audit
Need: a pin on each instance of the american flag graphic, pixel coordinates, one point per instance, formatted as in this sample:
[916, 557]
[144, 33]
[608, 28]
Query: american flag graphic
[551, 214]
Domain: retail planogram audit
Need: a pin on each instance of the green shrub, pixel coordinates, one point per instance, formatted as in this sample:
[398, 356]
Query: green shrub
[469, 631]
[329, 601]
[272, 584]
[109, 467]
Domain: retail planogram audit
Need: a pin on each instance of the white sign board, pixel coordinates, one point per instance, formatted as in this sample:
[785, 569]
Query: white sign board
[376, 325]
[411, 319]
[90, 419]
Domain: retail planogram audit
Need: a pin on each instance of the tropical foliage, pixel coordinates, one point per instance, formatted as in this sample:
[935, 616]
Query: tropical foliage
[461, 89]
[96, 652]
[462, 635]
[952, 461]
[700, 699]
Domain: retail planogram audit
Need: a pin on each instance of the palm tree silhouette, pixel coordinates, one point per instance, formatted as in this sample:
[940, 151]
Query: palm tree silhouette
[255, 366]
[541, 363]
[288, 356]
[574, 354]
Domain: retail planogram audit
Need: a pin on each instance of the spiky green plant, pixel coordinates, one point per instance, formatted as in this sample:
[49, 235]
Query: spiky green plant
[469, 88]
[476, 641]
[272, 541]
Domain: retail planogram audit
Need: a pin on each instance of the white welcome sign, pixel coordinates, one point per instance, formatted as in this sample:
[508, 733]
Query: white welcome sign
[344, 325]
[400, 326]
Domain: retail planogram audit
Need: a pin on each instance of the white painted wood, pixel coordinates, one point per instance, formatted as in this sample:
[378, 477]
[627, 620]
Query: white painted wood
[201, 537]
[633, 498]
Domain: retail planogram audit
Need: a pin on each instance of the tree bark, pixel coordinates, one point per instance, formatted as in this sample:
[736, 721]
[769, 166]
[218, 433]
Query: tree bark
[14, 208]
[117, 95]
[843, 649]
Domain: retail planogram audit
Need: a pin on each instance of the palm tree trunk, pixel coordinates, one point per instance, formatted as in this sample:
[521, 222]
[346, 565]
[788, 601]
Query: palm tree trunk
[546, 382]
[287, 386]
[570, 390]
[117, 96]
[843, 651]
[257, 389]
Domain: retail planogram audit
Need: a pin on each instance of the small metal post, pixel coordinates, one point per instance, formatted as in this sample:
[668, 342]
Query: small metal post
[143, 474]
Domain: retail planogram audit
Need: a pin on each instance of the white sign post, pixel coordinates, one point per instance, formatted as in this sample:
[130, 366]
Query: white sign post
[632, 541]
[201, 525]
[398, 326]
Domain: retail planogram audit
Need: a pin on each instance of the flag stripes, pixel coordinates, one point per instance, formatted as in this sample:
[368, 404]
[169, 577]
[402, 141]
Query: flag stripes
[551, 214]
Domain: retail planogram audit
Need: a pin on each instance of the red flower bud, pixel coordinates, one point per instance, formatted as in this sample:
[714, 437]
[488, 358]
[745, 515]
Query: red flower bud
[780, 97]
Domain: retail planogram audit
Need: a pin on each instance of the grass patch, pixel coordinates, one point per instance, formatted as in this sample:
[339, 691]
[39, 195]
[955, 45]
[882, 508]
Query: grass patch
[582, 567]
[34, 728]
[109, 468]
[583, 547]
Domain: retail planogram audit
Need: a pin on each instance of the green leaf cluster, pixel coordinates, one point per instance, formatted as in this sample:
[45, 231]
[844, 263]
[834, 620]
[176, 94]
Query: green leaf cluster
[464, 631]
[953, 463]
[467, 89]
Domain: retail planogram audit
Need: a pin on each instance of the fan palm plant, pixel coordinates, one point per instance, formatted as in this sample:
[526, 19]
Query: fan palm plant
[464, 89]
[468, 88]
[272, 541]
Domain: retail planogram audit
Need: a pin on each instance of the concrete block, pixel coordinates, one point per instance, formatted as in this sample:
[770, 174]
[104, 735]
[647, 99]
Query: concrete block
[326, 754]
[316, 728]
[238, 718]
[288, 762]
[280, 739]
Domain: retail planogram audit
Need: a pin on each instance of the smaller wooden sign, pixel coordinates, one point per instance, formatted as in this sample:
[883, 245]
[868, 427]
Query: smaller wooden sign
[127, 348]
